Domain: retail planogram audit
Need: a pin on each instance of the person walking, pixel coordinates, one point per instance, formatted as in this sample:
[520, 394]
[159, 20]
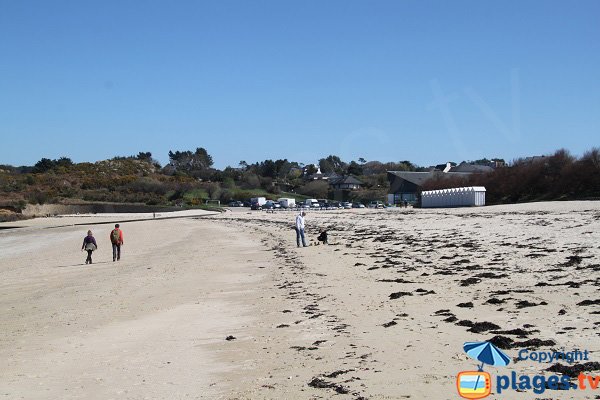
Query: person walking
[116, 238]
[300, 229]
[89, 245]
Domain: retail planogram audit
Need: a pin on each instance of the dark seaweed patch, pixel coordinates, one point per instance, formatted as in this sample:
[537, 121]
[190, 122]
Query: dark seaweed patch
[469, 281]
[574, 370]
[397, 295]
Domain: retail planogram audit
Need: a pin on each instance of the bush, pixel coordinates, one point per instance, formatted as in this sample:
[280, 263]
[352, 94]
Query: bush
[195, 197]
[37, 197]
[147, 185]
[315, 189]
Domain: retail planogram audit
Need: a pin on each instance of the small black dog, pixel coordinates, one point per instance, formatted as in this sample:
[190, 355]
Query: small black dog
[323, 237]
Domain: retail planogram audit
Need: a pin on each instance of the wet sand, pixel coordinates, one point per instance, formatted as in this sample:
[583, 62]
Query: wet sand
[380, 313]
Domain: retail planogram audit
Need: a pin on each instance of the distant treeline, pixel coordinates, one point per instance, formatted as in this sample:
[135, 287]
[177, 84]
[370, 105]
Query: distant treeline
[189, 179]
[559, 176]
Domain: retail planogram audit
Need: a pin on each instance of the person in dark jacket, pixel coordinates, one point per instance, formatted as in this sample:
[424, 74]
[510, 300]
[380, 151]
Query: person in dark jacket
[116, 238]
[89, 245]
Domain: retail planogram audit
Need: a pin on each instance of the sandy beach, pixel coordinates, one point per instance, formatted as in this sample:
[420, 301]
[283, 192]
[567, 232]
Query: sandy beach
[382, 312]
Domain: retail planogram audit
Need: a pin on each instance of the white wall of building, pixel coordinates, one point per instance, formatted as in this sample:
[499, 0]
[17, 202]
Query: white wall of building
[456, 197]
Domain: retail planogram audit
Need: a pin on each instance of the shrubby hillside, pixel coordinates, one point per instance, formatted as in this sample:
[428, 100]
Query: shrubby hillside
[189, 179]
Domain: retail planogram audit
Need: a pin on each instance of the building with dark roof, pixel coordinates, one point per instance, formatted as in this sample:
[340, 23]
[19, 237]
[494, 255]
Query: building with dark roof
[318, 176]
[405, 185]
[345, 183]
[472, 168]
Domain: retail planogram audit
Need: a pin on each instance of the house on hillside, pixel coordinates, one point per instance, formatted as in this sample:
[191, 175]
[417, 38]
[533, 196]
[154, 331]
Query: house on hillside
[319, 176]
[534, 159]
[471, 168]
[345, 183]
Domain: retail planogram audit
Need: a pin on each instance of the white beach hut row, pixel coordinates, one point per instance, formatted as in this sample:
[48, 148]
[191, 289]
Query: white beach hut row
[456, 197]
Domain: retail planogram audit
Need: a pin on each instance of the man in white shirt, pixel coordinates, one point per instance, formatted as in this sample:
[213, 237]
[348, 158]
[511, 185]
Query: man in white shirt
[300, 229]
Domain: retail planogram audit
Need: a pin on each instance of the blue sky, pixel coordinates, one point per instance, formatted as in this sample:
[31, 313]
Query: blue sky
[427, 81]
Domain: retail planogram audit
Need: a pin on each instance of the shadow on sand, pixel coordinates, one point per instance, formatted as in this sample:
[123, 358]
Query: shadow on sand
[82, 264]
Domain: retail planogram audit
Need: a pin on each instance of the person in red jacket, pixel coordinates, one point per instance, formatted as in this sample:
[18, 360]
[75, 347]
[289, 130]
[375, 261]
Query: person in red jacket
[116, 238]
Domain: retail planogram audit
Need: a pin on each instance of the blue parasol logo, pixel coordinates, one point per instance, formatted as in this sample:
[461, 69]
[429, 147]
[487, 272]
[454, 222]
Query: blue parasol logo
[486, 353]
[477, 385]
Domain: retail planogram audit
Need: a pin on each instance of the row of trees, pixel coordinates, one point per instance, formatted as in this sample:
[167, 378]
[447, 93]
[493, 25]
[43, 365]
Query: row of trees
[199, 164]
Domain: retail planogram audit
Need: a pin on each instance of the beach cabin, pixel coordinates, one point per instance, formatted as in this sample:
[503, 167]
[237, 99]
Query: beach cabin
[473, 196]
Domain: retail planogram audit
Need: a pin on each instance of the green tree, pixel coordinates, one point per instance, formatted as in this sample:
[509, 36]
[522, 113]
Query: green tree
[283, 168]
[268, 168]
[332, 164]
[144, 156]
[205, 160]
[311, 169]
[190, 162]
[354, 168]
[44, 165]
[63, 162]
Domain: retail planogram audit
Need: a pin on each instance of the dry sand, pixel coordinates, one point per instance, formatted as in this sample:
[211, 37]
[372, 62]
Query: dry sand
[375, 314]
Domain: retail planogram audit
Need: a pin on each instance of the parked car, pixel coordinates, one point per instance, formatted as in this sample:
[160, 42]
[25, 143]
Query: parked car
[259, 200]
[247, 204]
[358, 205]
[236, 204]
[329, 205]
[313, 203]
[287, 203]
[376, 204]
[256, 206]
[347, 205]
[270, 205]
